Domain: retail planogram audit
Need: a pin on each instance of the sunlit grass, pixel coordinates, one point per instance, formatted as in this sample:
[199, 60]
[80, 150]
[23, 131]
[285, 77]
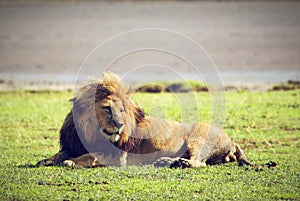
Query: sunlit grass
[265, 124]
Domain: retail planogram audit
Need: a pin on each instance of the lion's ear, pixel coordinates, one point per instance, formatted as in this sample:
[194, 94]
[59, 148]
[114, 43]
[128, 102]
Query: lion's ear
[139, 114]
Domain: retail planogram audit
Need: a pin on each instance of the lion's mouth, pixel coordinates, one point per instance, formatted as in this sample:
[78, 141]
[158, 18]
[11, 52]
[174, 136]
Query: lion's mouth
[111, 133]
[113, 137]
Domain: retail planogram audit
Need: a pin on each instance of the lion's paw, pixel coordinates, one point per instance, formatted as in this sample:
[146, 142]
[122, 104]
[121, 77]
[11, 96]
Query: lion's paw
[180, 163]
[45, 162]
[164, 162]
[68, 163]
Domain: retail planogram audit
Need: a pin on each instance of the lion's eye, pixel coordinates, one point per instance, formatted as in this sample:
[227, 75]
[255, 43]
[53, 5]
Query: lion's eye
[107, 109]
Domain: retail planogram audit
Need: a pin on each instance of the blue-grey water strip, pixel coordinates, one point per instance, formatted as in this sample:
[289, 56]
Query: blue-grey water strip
[228, 77]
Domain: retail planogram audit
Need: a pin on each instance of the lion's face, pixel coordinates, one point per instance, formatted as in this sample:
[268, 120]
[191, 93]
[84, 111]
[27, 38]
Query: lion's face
[109, 113]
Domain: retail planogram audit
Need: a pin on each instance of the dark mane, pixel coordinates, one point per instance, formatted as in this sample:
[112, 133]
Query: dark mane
[85, 119]
[129, 145]
[139, 114]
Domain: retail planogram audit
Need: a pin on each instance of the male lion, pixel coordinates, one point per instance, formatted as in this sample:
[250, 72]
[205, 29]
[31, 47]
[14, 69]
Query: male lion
[105, 127]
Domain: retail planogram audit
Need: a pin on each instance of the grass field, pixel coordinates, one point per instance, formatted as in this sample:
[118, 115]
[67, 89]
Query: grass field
[265, 124]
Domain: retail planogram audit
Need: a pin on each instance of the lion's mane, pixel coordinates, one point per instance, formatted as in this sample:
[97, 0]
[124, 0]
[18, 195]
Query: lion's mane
[80, 130]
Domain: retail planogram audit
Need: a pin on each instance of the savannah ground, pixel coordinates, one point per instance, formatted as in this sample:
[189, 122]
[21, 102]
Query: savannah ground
[51, 39]
[265, 124]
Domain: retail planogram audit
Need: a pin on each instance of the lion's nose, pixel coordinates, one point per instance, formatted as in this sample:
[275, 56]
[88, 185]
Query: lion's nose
[118, 124]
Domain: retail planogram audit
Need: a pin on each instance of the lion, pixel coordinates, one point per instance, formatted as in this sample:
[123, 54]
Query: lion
[105, 127]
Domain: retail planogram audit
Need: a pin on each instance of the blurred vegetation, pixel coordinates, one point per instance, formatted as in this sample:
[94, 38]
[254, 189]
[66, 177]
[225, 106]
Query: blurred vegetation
[290, 85]
[175, 87]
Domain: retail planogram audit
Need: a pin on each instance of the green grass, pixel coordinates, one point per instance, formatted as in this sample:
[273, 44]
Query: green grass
[265, 124]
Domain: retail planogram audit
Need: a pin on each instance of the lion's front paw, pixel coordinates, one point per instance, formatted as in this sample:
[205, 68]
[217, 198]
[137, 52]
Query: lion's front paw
[68, 163]
[164, 162]
[45, 162]
[180, 163]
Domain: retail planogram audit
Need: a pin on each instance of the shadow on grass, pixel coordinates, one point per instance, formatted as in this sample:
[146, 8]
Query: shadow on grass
[27, 166]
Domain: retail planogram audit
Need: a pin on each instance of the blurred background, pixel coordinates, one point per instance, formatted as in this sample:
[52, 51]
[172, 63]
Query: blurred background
[44, 43]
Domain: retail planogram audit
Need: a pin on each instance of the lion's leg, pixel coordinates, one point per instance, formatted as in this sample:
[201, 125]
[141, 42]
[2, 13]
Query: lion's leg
[185, 163]
[240, 156]
[165, 162]
[86, 160]
[54, 160]
[197, 157]
[195, 162]
[230, 157]
[96, 160]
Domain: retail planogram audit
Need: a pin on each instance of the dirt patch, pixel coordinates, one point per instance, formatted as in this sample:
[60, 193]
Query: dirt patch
[258, 168]
[254, 144]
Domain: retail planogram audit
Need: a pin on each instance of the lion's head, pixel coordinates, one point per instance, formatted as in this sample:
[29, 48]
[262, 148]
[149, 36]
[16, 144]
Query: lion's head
[106, 107]
[110, 113]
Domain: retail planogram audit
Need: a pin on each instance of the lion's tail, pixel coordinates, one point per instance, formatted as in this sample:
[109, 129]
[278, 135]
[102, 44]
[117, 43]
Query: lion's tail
[240, 156]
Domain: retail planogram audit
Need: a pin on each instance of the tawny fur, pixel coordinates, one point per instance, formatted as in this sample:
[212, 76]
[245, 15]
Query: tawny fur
[105, 127]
